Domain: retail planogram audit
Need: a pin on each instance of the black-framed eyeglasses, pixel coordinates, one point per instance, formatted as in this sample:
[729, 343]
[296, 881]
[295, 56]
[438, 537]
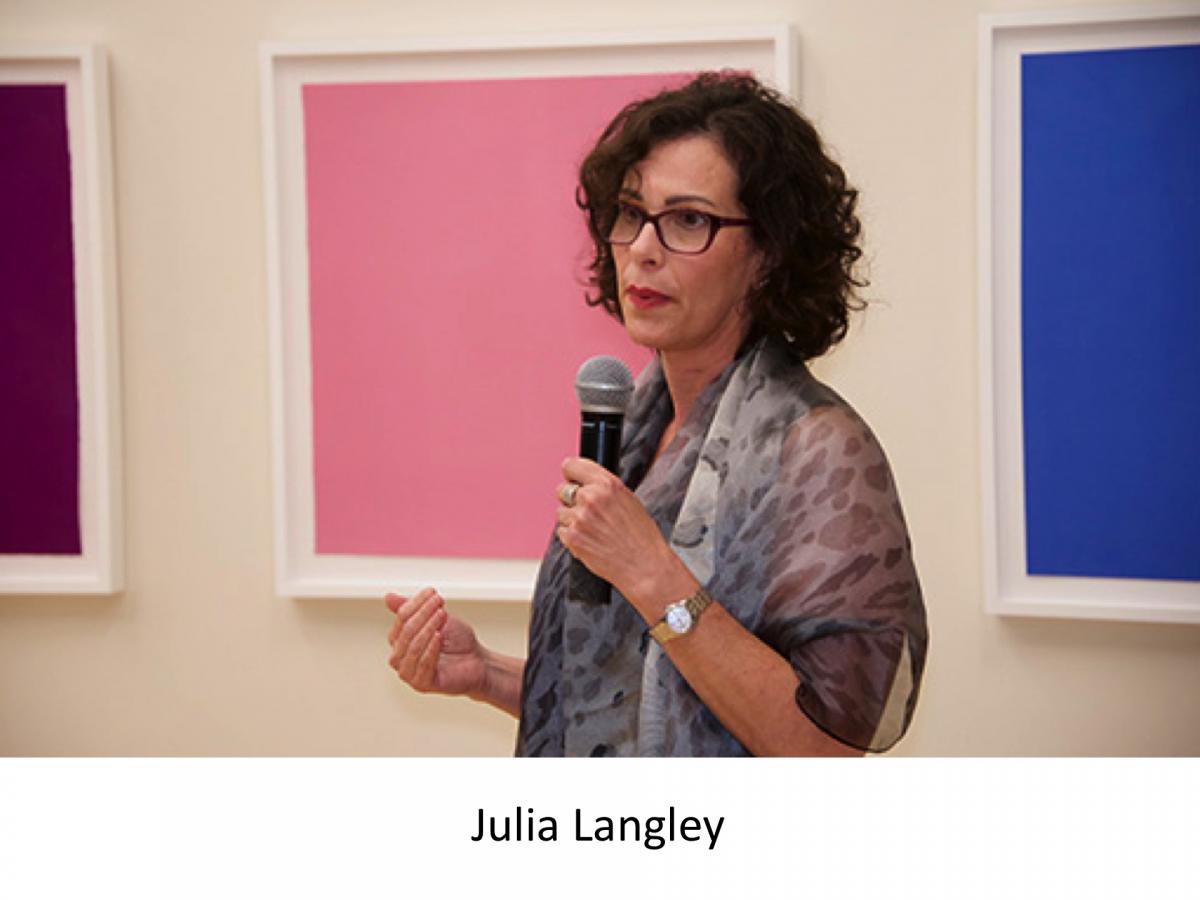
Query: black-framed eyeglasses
[680, 229]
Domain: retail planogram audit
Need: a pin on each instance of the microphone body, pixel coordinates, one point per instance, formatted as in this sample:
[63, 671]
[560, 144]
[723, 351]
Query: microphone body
[603, 386]
[600, 439]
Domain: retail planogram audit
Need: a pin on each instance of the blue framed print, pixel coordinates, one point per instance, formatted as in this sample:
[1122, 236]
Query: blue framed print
[1090, 314]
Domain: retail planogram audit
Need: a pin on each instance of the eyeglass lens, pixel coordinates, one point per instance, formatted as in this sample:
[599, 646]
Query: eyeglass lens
[681, 230]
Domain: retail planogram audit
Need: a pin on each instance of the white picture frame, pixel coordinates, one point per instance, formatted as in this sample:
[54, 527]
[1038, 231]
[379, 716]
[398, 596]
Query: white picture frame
[99, 568]
[299, 570]
[1003, 39]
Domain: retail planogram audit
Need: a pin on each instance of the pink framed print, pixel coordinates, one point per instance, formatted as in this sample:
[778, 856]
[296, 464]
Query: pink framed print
[427, 267]
[60, 473]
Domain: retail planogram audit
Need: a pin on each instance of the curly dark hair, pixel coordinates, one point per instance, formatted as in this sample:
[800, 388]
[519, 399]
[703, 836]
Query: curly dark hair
[802, 208]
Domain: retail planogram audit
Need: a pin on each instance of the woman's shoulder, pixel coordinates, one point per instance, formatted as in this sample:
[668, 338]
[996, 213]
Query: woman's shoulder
[820, 428]
[812, 405]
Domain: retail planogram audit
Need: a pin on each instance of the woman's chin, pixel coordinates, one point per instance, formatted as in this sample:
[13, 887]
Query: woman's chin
[651, 335]
[647, 338]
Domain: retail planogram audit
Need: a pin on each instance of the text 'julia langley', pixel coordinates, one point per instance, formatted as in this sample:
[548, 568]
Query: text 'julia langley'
[653, 832]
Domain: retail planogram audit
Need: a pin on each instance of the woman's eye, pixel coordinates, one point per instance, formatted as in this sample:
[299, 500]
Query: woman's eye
[690, 219]
[628, 214]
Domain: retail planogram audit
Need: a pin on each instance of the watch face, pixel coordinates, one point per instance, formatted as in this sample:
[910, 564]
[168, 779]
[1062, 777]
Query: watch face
[679, 619]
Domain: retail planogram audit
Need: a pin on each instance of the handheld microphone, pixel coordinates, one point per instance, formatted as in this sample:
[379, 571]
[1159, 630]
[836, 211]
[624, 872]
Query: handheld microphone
[603, 386]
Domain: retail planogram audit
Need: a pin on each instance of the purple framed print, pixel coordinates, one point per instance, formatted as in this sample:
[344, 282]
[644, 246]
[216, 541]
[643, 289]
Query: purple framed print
[60, 453]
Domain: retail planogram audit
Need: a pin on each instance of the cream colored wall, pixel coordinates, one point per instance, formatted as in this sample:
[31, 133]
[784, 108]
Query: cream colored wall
[198, 656]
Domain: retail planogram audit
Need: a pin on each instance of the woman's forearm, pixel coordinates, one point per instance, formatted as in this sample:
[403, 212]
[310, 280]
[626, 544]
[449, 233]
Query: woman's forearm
[501, 682]
[747, 685]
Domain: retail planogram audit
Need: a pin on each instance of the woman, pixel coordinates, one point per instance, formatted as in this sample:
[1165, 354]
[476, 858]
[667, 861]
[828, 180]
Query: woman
[764, 595]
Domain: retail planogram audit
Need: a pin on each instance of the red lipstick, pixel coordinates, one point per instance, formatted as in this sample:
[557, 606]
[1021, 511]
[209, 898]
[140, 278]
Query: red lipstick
[645, 298]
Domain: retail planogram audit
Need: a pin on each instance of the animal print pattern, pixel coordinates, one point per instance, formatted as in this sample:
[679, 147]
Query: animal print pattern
[780, 500]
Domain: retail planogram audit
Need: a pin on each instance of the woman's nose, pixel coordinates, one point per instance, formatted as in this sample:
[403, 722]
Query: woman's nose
[646, 247]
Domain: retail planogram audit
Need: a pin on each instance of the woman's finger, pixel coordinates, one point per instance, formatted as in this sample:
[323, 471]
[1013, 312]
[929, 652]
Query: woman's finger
[410, 649]
[426, 671]
[407, 608]
[397, 602]
[393, 602]
[411, 617]
[415, 626]
[583, 471]
[565, 539]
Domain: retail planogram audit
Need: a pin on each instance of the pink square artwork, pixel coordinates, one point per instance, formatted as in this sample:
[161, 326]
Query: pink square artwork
[446, 264]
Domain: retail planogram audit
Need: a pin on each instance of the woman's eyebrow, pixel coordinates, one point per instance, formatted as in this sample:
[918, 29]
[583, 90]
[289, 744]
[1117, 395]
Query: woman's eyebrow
[689, 198]
[673, 200]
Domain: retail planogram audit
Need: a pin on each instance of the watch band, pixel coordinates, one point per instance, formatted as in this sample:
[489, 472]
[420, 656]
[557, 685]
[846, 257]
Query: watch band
[694, 605]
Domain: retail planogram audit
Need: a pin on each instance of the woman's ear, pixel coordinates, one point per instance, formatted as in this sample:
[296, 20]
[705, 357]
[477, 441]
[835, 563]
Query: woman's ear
[763, 269]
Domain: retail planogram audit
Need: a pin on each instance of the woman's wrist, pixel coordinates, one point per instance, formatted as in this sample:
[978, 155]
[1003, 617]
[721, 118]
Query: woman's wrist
[664, 583]
[502, 676]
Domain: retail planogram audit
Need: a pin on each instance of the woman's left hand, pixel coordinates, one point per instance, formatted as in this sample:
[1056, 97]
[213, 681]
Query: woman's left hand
[607, 529]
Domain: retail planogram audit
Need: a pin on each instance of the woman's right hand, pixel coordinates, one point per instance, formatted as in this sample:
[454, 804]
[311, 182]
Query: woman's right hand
[433, 651]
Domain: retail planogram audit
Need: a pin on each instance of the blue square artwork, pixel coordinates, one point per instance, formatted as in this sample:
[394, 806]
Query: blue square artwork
[1110, 312]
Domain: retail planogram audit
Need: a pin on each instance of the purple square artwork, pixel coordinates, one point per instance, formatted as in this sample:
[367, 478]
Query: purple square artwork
[39, 400]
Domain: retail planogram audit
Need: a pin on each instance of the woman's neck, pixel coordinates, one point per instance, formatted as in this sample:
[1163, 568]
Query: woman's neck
[686, 376]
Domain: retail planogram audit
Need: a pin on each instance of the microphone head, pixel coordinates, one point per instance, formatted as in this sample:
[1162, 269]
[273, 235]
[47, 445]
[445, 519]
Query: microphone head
[603, 385]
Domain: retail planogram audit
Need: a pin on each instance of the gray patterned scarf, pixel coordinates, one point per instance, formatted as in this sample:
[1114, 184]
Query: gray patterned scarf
[778, 498]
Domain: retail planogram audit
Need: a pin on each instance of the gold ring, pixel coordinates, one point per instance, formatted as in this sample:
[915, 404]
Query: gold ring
[568, 497]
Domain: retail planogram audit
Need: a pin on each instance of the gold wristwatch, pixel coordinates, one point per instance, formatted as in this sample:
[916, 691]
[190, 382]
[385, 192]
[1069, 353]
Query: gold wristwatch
[681, 617]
